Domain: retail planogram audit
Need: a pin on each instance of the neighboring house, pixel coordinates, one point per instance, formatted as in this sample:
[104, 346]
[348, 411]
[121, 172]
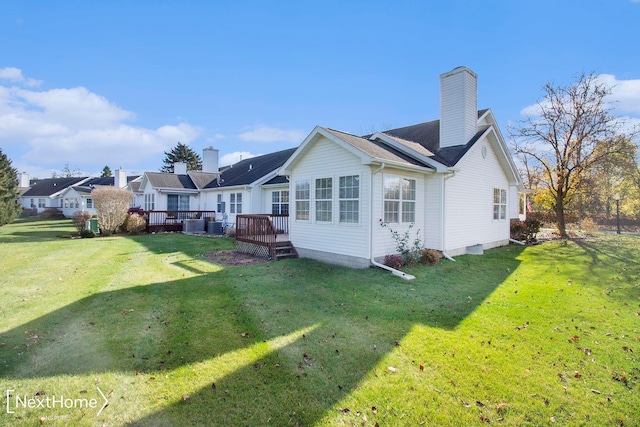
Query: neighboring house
[250, 186]
[452, 181]
[45, 193]
[179, 190]
[79, 197]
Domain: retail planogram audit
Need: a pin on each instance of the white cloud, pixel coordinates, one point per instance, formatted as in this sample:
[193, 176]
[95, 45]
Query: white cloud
[625, 93]
[270, 134]
[624, 98]
[77, 126]
[14, 75]
[216, 137]
[235, 157]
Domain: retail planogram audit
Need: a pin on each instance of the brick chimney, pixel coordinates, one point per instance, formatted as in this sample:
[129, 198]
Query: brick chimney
[458, 107]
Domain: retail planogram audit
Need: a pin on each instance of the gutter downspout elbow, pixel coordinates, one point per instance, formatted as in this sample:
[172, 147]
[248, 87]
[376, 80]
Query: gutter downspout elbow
[395, 272]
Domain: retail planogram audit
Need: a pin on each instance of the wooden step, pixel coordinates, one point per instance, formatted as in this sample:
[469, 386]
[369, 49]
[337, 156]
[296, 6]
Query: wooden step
[284, 249]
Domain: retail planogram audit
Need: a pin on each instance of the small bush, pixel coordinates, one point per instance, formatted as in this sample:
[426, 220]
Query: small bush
[231, 232]
[531, 229]
[517, 229]
[51, 213]
[135, 224]
[79, 219]
[87, 234]
[393, 261]
[430, 256]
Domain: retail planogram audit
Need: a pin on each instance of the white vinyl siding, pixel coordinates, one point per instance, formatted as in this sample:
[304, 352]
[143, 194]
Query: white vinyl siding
[348, 232]
[469, 197]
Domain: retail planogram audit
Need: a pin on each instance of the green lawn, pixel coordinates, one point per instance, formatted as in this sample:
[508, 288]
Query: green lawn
[542, 335]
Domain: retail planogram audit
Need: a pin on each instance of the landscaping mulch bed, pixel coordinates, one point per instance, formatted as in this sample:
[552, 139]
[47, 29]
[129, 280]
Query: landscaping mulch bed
[234, 258]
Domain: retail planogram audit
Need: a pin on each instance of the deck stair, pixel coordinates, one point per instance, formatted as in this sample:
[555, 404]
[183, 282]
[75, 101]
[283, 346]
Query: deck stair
[284, 249]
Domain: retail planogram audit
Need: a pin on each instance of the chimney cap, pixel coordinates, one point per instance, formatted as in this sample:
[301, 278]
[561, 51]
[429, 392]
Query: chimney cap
[458, 70]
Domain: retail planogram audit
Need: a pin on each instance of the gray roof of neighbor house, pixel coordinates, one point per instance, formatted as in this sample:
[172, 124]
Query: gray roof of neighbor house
[203, 179]
[170, 180]
[249, 170]
[50, 186]
[428, 136]
[87, 186]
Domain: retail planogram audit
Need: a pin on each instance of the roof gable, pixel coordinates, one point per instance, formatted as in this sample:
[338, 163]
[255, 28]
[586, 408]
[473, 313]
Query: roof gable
[202, 179]
[369, 151]
[165, 180]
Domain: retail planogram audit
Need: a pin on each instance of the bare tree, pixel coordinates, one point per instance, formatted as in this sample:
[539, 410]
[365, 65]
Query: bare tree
[572, 130]
[112, 205]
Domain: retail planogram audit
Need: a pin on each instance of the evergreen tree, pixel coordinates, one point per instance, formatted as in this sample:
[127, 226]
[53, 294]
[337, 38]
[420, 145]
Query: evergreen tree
[181, 153]
[9, 206]
[106, 172]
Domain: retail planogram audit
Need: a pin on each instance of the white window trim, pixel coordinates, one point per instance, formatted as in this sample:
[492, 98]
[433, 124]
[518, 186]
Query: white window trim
[400, 200]
[502, 206]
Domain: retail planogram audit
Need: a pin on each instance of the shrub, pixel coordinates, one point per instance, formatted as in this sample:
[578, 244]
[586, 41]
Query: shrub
[531, 229]
[430, 256]
[393, 261]
[409, 251]
[517, 229]
[231, 232]
[79, 219]
[87, 234]
[135, 224]
[51, 213]
[112, 205]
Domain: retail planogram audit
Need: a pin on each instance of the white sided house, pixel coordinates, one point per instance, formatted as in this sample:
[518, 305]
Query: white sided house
[451, 182]
[79, 197]
[250, 186]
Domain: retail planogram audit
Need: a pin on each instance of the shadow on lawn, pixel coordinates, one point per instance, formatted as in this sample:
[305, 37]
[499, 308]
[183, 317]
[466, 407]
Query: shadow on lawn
[165, 326]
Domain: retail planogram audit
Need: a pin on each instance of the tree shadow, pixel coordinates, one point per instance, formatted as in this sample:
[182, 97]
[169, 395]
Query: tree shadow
[610, 261]
[168, 326]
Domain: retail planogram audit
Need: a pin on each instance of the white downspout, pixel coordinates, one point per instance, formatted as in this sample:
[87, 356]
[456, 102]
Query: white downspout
[451, 174]
[373, 261]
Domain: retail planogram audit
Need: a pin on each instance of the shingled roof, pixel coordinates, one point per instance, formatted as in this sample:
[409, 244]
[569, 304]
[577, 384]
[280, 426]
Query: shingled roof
[250, 170]
[376, 149]
[170, 180]
[427, 135]
[50, 186]
[108, 181]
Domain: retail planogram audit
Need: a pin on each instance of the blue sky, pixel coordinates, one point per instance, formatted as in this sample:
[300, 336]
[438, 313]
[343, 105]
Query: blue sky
[95, 83]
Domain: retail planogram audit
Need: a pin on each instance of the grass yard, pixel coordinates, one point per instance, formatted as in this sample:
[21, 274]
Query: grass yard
[542, 335]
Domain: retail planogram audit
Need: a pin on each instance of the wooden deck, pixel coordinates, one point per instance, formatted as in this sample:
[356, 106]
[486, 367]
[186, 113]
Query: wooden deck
[163, 221]
[265, 235]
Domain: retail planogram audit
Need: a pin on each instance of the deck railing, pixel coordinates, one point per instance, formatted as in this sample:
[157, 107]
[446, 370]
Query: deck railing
[170, 220]
[261, 229]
